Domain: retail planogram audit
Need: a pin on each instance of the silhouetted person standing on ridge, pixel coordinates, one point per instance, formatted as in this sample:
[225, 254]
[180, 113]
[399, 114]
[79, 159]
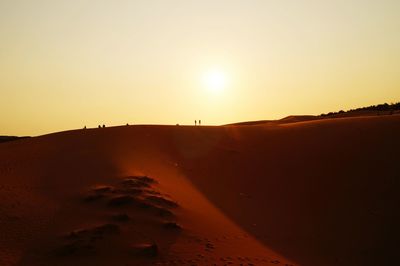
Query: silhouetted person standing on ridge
[199, 122]
[195, 122]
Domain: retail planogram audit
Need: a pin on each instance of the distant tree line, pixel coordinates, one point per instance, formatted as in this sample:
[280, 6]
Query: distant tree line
[385, 107]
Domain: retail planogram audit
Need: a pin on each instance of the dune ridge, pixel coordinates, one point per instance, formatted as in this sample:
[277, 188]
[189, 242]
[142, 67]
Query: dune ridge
[320, 192]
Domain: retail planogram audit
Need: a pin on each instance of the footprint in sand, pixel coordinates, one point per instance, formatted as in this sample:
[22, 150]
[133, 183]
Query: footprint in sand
[134, 197]
[83, 241]
[134, 191]
[172, 226]
[120, 217]
[144, 250]
[209, 246]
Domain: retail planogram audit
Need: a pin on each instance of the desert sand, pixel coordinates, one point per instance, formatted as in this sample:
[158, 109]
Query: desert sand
[319, 192]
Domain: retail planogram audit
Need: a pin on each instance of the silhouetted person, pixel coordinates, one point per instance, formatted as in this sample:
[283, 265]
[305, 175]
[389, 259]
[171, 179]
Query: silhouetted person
[104, 126]
[99, 126]
[195, 122]
[199, 122]
[84, 127]
[127, 124]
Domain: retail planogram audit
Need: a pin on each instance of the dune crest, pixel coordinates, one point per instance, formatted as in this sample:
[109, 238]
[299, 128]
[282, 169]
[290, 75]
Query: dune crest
[319, 192]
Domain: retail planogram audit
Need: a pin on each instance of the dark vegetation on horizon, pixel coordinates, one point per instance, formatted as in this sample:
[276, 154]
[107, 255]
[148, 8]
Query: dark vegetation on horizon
[385, 107]
[380, 109]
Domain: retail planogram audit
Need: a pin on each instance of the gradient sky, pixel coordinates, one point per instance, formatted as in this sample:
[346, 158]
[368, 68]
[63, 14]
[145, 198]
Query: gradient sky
[66, 64]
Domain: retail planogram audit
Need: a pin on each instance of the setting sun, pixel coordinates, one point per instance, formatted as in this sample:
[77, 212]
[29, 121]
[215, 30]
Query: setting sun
[215, 80]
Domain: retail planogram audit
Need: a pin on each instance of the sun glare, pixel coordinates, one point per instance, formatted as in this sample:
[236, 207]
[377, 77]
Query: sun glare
[215, 80]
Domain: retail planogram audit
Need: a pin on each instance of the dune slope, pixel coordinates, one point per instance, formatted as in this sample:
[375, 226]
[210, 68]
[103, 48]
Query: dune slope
[321, 192]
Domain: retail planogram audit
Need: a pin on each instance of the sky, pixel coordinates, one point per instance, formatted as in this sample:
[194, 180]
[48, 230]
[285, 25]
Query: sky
[65, 64]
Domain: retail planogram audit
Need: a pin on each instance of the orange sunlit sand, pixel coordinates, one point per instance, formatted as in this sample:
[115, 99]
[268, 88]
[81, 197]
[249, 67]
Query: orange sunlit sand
[300, 191]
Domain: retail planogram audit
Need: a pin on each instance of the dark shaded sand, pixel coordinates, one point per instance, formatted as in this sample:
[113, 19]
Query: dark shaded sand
[320, 192]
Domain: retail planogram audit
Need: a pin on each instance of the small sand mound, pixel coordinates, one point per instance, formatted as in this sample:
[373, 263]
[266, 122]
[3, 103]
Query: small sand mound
[162, 212]
[98, 230]
[130, 191]
[162, 201]
[172, 226]
[120, 217]
[93, 197]
[106, 229]
[145, 250]
[74, 248]
[145, 179]
[138, 181]
[83, 241]
[102, 189]
[121, 200]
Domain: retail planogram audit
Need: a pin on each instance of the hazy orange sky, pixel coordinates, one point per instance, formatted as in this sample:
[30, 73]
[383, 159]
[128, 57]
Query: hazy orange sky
[66, 64]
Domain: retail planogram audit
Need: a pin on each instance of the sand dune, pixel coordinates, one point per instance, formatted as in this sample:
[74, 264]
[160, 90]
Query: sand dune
[321, 192]
[285, 120]
[10, 138]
